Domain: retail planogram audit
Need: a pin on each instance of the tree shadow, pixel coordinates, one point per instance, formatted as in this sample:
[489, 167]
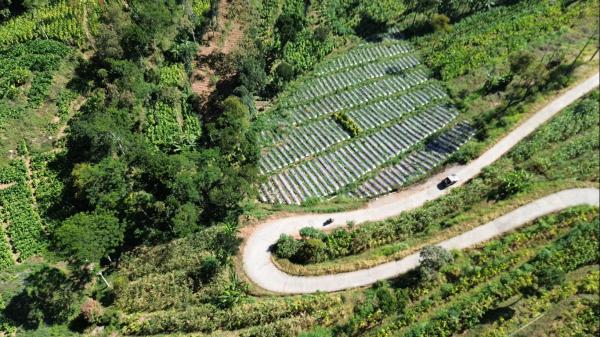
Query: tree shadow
[370, 29]
[496, 314]
[48, 297]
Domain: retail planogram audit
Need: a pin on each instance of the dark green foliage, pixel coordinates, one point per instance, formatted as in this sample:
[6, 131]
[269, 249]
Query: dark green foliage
[26, 73]
[496, 83]
[161, 182]
[235, 140]
[203, 274]
[550, 277]
[252, 74]
[312, 250]
[48, 297]
[186, 220]
[305, 51]
[288, 26]
[441, 23]
[136, 43]
[283, 73]
[209, 268]
[310, 232]
[286, 246]
[88, 237]
[103, 184]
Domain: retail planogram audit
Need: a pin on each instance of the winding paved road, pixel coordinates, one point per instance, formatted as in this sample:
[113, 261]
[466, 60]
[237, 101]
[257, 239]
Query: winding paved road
[257, 258]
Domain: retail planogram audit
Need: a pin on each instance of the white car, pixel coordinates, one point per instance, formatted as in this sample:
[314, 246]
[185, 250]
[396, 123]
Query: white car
[449, 180]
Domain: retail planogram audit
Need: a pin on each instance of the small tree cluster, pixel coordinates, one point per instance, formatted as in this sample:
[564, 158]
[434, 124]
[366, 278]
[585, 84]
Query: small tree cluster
[432, 259]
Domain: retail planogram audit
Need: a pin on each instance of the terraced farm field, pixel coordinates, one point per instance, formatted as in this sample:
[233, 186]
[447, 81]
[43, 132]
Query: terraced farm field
[349, 119]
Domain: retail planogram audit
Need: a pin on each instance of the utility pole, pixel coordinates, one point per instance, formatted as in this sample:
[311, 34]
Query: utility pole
[103, 279]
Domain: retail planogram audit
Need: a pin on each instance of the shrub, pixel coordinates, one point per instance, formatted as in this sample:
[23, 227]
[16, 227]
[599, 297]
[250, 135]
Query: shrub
[310, 232]
[209, 267]
[496, 83]
[386, 297]
[347, 123]
[312, 250]
[92, 310]
[432, 259]
[512, 183]
[287, 247]
[441, 23]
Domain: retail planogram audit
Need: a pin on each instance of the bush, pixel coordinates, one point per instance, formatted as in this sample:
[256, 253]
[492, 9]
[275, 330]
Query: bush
[92, 311]
[310, 232]
[496, 83]
[512, 183]
[209, 267]
[252, 74]
[432, 259]
[312, 250]
[347, 123]
[386, 297]
[441, 23]
[287, 247]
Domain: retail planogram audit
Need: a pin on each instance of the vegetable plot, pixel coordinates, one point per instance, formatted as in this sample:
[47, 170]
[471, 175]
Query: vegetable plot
[354, 114]
[61, 21]
[24, 226]
[329, 173]
[417, 163]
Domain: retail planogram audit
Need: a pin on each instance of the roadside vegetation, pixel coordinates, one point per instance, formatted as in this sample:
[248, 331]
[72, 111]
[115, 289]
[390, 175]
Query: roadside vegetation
[497, 91]
[123, 192]
[561, 154]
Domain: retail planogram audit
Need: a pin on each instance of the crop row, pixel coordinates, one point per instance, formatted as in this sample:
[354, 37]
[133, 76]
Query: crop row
[326, 174]
[376, 114]
[577, 248]
[48, 188]
[207, 318]
[495, 260]
[363, 55]
[301, 143]
[330, 83]
[417, 163]
[506, 29]
[5, 251]
[357, 96]
[27, 69]
[24, 224]
[62, 21]
[164, 130]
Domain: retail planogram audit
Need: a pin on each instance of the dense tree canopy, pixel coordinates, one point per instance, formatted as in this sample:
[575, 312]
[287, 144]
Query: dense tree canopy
[88, 237]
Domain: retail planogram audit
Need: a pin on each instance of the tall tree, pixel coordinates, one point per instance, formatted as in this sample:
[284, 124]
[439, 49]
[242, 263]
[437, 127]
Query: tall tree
[88, 237]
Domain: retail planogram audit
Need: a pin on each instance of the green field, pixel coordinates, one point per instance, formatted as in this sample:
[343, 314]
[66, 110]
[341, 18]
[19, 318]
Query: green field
[144, 143]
